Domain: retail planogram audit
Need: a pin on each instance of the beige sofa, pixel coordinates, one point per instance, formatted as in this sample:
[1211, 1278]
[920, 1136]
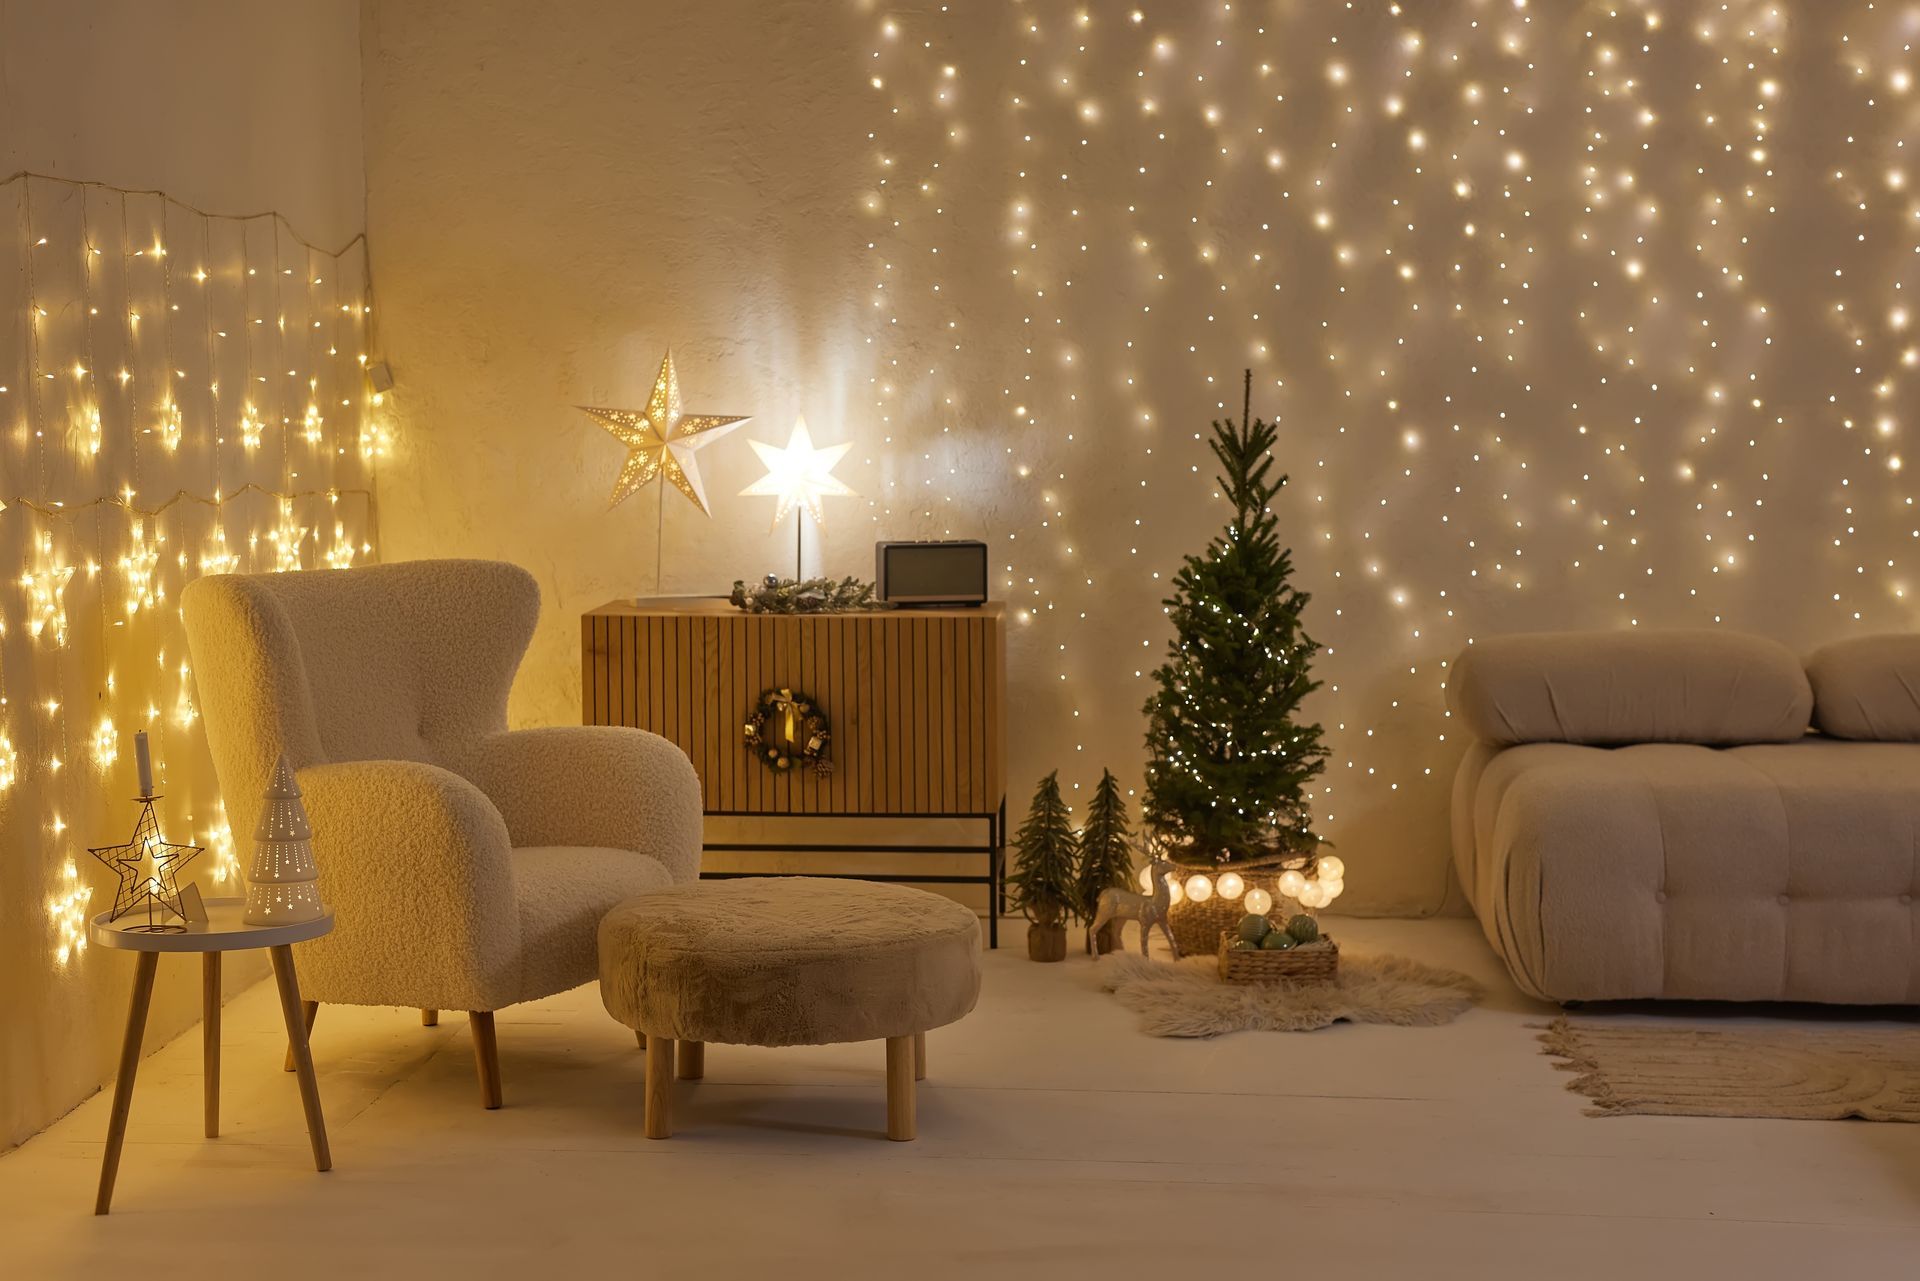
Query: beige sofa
[1693, 815]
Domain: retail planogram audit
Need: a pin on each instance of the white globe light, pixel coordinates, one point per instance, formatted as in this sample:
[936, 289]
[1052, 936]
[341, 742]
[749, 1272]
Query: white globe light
[1174, 887]
[1259, 902]
[1146, 880]
[1199, 888]
[1332, 869]
[1292, 883]
[1315, 895]
[1333, 889]
[1230, 886]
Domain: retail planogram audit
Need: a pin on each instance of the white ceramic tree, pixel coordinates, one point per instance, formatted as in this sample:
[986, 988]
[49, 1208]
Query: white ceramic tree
[283, 887]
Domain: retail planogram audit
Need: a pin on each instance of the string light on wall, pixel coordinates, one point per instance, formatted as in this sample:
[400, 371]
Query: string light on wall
[178, 389]
[1575, 316]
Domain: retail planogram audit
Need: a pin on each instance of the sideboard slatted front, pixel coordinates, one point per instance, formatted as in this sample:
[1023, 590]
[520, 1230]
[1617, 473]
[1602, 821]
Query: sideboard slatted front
[914, 700]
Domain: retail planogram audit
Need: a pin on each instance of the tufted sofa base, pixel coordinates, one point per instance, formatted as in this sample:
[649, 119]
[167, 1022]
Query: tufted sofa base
[1772, 871]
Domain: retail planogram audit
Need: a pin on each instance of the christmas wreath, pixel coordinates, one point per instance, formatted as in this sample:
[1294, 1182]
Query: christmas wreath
[787, 729]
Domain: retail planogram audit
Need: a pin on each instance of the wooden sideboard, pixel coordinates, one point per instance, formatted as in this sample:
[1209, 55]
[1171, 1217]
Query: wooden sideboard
[915, 701]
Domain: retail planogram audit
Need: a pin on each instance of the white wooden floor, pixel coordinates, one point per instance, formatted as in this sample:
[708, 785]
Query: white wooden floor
[1055, 1142]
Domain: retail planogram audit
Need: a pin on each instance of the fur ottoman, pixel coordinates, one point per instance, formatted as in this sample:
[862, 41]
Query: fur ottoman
[787, 961]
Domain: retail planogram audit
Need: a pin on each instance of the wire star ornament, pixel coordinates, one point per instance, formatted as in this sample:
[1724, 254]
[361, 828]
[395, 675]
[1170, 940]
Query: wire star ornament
[799, 475]
[148, 866]
[662, 440]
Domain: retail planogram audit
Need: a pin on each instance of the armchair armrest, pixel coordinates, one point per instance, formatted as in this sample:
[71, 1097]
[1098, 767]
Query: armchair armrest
[414, 862]
[604, 785]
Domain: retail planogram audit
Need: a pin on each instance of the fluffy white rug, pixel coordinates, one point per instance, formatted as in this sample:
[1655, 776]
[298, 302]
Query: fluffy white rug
[1187, 998]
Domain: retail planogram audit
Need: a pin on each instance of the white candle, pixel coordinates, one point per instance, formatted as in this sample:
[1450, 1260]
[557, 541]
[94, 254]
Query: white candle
[143, 761]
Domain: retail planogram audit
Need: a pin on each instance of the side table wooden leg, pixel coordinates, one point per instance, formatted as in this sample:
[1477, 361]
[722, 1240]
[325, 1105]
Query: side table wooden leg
[123, 1084]
[659, 1087]
[900, 1118]
[210, 1038]
[290, 1010]
[310, 1010]
[693, 1060]
[919, 1056]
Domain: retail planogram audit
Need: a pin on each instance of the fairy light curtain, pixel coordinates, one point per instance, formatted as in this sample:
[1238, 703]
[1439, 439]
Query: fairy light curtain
[1573, 314]
[181, 393]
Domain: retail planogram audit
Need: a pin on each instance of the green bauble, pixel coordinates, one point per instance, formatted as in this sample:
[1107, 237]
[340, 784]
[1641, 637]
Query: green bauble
[1254, 928]
[1241, 945]
[1303, 929]
[1278, 941]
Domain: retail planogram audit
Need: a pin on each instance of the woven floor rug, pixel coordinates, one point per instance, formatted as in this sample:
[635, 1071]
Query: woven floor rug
[1814, 1074]
[1187, 998]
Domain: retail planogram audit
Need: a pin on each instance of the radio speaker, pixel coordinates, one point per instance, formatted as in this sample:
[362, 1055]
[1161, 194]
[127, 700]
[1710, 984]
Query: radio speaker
[930, 574]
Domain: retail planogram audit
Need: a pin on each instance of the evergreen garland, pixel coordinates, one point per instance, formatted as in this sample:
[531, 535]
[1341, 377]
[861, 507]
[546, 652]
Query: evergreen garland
[1043, 885]
[1228, 763]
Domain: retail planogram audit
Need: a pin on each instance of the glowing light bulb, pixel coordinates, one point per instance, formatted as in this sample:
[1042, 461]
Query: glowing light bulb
[1230, 886]
[1292, 884]
[1258, 901]
[1331, 868]
[1199, 888]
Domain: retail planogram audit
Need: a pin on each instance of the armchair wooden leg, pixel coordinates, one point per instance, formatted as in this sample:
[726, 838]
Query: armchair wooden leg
[486, 1056]
[310, 1010]
[659, 1087]
[429, 1018]
[693, 1060]
[900, 1118]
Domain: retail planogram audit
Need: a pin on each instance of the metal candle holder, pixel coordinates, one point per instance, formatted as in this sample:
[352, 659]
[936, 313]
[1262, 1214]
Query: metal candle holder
[158, 890]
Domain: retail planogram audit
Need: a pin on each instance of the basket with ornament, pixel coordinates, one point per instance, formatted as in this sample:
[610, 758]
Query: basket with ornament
[1206, 903]
[1260, 951]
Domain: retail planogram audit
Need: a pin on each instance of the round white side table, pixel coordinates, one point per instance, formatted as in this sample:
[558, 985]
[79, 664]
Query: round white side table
[222, 931]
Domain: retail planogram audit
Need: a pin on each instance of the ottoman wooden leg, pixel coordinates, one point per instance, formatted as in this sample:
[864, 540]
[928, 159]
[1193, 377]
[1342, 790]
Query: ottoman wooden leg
[900, 1120]
[693, 1060]
[919, 1056]
[429, 1018]
[641, 1038]
[659, 1087]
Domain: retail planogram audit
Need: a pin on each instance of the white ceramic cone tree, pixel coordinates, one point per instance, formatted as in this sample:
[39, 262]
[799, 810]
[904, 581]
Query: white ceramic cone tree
[283, 887]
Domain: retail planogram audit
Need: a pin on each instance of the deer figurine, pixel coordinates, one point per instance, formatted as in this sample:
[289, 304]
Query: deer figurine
[1117, 905]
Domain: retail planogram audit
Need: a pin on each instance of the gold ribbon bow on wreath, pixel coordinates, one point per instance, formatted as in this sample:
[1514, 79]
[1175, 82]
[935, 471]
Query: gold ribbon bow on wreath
[788, 729]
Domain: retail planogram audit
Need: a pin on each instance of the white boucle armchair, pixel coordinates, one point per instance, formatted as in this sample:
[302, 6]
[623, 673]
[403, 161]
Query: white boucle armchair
[467, 866]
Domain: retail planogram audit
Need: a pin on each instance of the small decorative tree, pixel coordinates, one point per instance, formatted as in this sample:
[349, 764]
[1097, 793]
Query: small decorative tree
[1043, 885]
[1229, 756]
[1106, 856]
[283, 887]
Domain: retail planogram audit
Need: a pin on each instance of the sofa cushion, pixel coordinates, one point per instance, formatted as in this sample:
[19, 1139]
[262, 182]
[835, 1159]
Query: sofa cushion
[1768, 872]
[563, 891]
[1631, 687]
[1868, 688]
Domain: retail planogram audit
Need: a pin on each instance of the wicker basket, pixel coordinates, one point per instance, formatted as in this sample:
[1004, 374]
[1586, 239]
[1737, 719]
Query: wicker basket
[1316, 962]
[1196, 926]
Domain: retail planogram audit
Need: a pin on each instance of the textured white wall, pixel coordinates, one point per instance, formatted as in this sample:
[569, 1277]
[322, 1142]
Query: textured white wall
[236, 108]
[1581, 315]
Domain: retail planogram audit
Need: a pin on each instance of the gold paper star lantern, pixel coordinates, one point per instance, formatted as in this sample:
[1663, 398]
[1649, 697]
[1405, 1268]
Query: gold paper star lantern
[799, 475]
[661, 440]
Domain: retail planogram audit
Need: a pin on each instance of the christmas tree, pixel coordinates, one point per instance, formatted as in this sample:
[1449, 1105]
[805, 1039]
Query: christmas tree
[1228, 759]
[283, 887]
[1043, 886]
[1106, 852]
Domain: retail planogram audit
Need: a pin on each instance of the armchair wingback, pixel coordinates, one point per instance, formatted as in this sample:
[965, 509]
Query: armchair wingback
[467, 865]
